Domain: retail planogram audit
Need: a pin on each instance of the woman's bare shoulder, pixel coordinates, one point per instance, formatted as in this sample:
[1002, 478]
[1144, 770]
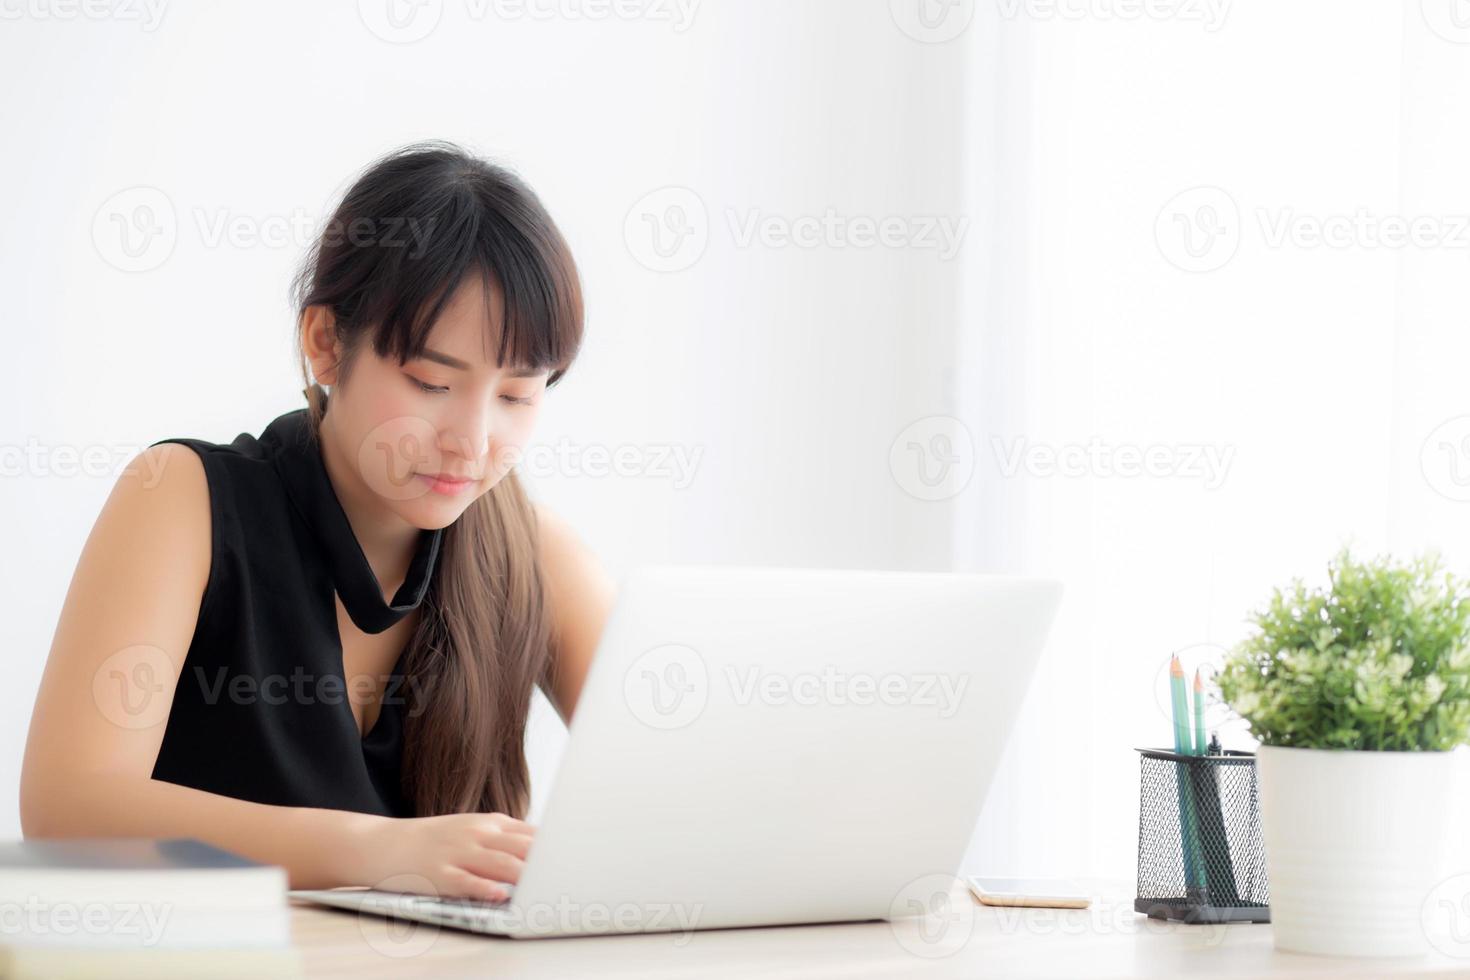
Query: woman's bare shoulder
[133, 602]
[163, 491]
[580, 594]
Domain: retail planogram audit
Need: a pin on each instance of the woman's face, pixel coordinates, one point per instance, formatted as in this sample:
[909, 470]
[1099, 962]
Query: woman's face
[429, 436]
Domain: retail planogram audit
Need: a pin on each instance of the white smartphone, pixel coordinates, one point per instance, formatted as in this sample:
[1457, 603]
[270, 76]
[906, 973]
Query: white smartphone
[1041, 893]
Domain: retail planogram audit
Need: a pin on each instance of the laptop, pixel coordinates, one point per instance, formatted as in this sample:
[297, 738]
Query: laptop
[767, 746]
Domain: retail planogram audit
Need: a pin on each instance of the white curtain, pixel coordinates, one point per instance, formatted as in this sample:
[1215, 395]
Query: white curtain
[1196, 352]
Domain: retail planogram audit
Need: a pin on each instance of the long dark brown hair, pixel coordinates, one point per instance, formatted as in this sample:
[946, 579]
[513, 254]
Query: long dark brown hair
[414, 226]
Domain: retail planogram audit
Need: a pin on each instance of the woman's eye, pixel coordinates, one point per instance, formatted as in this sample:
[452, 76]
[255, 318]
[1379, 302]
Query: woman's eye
[424, 386]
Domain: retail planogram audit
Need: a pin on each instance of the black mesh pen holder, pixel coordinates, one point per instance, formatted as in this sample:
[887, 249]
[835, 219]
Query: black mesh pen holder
[1200, 854]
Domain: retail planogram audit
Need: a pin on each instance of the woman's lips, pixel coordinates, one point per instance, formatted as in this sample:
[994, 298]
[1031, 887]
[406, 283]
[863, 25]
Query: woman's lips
[446, 485]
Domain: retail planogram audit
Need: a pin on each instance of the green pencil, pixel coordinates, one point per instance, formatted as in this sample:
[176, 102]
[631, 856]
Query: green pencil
[1194, 879]
[1182, 742]
[1199, 715]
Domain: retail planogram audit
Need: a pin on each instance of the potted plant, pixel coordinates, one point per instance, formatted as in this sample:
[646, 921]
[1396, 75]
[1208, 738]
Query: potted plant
[1357, 692]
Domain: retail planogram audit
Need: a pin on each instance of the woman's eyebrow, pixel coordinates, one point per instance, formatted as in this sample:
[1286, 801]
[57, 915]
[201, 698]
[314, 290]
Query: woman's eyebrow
[440, 357]
[445, 359]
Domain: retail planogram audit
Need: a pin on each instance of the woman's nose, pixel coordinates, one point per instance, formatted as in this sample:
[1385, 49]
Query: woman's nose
[469, 438]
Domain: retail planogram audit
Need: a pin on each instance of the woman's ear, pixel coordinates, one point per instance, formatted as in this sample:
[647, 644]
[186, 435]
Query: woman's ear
[320, 345]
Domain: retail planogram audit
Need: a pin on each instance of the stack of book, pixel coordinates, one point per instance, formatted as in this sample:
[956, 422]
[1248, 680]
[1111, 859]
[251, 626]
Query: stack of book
[138, 907]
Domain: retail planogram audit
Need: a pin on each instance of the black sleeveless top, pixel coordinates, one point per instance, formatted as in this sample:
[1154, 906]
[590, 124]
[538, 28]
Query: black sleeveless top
[262, 710]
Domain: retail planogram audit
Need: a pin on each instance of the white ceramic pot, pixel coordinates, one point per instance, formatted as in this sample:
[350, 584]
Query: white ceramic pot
[1353, 845]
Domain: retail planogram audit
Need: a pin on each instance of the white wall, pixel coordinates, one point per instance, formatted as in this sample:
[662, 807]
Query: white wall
[787, 369]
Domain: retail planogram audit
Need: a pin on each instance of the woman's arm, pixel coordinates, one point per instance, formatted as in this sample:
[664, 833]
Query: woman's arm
[104, 696]
[580, 594]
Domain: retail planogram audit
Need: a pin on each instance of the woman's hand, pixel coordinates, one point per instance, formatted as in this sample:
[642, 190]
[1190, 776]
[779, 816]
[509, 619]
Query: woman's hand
[469, 855]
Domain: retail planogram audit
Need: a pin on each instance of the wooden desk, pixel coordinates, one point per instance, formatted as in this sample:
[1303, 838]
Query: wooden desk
[1107, 940]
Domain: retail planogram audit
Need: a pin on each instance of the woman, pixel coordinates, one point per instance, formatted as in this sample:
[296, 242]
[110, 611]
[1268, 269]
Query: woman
[317, 647]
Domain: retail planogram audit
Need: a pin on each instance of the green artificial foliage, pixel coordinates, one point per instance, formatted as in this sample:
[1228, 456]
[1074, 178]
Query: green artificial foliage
[1379, 661]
